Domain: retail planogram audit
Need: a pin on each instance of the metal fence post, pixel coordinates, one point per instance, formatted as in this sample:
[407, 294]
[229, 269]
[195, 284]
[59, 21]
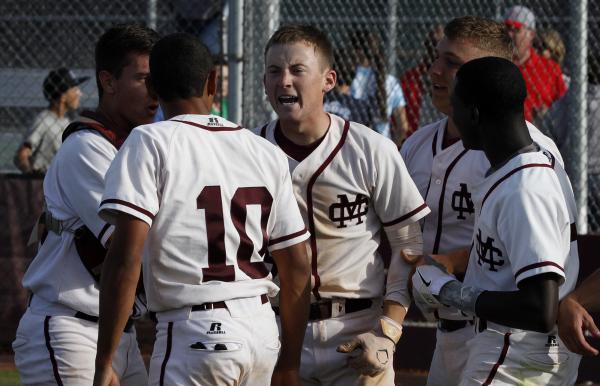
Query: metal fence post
[578, 110]
[392, 36]
[235, 56]
[152, 16]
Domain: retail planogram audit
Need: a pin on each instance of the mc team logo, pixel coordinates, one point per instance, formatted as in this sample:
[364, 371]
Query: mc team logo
[346, 210]
[486, 252]
[462, 203]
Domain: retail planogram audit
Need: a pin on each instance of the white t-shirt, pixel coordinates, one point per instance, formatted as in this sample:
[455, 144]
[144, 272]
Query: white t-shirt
[349, 188]
[216, 198]
[45, 137]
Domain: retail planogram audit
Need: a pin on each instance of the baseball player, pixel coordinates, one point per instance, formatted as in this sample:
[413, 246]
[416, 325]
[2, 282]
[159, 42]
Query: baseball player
[446, 173]
[523, 257]
[208, 199]
[351, 184]
[57, 335]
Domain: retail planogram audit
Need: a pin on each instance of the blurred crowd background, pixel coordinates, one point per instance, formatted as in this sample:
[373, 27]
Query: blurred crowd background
[383, 51]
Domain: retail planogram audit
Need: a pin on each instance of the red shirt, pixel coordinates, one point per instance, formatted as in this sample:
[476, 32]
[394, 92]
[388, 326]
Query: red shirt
[413, 86]
[544, 82]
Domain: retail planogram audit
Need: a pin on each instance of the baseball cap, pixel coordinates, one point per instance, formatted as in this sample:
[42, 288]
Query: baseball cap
[519, 16]
[60, 80]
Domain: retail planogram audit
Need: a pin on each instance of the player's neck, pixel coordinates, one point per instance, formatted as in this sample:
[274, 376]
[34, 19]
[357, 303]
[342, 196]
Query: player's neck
[451, 130]
[114, 119]
[197, 106]
[307, 132]
[502, 147]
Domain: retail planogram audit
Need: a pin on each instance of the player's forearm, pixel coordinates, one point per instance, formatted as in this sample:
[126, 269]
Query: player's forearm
[118, 283]
[294, 302]
[23, 155]
[394, 310]
[587, 293]
[293, 324]
[120, 275]
[407, 239]
[533, 307]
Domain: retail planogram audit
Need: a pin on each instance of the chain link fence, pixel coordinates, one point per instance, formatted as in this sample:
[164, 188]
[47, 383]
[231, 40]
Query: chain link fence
[383, 49]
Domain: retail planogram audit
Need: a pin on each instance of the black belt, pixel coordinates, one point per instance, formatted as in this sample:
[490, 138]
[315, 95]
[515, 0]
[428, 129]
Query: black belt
[209, 306]
[94, 319]
[448, 325]
[323, 309]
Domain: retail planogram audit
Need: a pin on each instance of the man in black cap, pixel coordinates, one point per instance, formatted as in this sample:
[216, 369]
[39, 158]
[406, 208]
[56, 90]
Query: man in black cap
[61, 89]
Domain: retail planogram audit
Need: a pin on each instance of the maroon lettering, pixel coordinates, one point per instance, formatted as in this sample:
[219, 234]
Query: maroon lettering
[210, 200]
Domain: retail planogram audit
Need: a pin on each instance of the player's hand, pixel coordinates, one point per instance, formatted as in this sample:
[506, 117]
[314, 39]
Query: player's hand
[285, 377]
[105, 376]
[573, 322]
[375, 353]
[454, 262]
[427, 282]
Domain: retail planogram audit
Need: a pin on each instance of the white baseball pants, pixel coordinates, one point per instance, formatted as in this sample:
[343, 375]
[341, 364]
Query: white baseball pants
[236, 345]
[503, 356]
[53, 348]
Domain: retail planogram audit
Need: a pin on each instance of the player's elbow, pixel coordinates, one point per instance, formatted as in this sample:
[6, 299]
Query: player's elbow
[293, 265]
[541, 294]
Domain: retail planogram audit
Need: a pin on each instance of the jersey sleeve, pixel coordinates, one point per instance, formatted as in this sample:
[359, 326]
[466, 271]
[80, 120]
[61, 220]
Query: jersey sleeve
[535, 229]
[286, 226]
[132, 181]
[81, 178]
[396, 198]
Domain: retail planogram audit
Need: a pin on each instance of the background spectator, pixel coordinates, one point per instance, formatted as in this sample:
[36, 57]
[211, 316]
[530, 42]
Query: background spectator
[556, 125]
[339, 101]
[543, 77]
[220, 102]
[416, 85]
[383, 91]
[61, 89]
[553, 47]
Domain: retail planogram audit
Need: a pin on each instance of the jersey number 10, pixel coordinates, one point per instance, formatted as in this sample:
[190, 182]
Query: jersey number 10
[210, 200]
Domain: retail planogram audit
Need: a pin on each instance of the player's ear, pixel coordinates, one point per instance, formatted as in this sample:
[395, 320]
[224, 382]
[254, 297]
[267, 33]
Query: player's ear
[265, 83]
[330, 80]
[211, 83]
[107, 81]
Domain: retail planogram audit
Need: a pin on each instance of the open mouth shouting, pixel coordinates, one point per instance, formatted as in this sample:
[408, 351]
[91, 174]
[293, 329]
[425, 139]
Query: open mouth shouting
[287, 100]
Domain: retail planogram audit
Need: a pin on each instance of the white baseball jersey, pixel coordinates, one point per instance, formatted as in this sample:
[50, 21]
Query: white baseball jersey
[446, 177]
[73, 189]
[53, 345]
[523, 228]
[216, 198]
[349, 187]
[525, 212]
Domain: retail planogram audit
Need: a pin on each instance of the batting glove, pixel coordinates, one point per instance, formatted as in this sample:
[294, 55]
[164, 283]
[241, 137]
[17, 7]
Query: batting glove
[427, 282]
[377, 348]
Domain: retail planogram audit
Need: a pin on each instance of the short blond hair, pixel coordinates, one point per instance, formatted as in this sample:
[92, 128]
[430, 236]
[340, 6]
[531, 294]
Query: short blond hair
[485, 34]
